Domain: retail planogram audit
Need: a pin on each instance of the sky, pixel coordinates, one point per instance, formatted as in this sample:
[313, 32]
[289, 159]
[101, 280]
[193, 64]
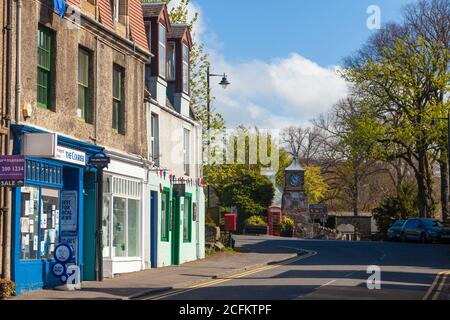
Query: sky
[282, 57]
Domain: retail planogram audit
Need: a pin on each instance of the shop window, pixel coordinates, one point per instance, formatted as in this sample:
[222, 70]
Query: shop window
[29, 223]
[121, 215]
[49, 224]
[133, 228]
[39, 222]
[187, 219]
[119, 243]
[105, 226]
[165, 215]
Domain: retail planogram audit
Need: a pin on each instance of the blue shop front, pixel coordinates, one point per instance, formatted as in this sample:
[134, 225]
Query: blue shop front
[57, 204]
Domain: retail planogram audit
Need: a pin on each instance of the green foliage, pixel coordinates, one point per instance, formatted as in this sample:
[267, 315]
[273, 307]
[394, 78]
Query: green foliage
[256, 221]
[287, 224]
[315, 186]
[400, 207]
[251, 193]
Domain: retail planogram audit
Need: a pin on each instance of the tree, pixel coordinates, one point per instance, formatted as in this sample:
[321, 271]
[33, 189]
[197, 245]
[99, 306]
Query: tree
[402, 206]
[304, 144]
[315, 186]
[251, 193]
[398, 74]
[350, 134]
[431, 19]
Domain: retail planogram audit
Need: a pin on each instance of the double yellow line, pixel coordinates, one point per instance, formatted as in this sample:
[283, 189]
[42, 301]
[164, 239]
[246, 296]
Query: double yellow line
[437, 286]
[231, 277]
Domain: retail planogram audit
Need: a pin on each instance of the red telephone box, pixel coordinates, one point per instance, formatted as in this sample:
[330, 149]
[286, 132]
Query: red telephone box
[230, 222]
[274, 217]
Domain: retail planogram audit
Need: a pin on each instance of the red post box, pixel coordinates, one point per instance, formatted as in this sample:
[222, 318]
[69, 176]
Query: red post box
[230, 222]
[274, 217]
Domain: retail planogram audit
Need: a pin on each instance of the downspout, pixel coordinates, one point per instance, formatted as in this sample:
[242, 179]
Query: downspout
[6, 240]
[18, 60]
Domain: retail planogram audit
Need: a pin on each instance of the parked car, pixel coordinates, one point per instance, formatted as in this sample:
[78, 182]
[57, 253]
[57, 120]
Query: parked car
[395, 230]
[424, 230]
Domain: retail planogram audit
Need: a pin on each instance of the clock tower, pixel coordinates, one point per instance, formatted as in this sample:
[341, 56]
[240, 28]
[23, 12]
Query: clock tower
[295, 202]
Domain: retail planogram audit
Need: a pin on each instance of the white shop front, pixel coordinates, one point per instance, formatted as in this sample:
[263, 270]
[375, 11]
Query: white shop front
[123, 218]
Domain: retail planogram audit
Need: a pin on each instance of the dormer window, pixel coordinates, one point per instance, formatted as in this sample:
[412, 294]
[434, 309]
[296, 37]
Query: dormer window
[162, 51]
[185, 68]
[119, 10]
[171, 61]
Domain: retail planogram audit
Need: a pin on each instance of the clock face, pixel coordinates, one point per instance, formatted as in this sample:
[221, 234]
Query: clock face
[295, 180]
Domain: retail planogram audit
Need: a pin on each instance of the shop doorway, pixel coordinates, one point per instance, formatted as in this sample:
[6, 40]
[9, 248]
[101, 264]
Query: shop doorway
[154, 229]
[176, 228]
[89, 211]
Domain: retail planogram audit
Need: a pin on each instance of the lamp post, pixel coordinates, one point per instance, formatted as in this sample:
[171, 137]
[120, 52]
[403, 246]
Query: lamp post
[224, 83]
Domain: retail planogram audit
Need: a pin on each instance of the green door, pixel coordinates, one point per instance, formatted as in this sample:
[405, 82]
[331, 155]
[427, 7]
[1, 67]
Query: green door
[176, 228]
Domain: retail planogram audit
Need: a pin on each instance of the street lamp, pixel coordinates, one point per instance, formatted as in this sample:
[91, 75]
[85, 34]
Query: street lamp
[224, 83]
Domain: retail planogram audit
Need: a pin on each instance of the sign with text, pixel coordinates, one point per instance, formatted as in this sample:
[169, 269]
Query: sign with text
[12, 171]
[319, 212]
[100, 160]
[69, 211]
[70, 156]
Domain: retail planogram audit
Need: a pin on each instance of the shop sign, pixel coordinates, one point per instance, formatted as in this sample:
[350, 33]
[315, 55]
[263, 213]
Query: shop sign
[12, 171]
[69, 212]
[70, 156]
[100, 160]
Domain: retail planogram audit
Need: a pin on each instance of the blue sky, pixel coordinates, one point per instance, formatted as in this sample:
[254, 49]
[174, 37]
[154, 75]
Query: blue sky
[281, 56]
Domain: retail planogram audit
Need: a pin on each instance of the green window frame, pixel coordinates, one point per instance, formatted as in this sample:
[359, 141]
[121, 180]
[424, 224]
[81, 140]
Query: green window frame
[187, 219]
[118, 117]
[84, 89]
[44, 67]
[165, 215]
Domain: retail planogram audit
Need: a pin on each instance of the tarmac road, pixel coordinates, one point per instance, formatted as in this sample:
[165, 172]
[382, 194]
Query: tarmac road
[332, 270]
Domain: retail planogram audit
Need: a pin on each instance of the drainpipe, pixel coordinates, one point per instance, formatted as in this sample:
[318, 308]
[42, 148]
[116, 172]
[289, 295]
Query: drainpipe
[18, 60]
[6, 239]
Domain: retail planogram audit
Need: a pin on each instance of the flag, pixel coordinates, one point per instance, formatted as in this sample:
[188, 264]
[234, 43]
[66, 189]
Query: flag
[60, 7]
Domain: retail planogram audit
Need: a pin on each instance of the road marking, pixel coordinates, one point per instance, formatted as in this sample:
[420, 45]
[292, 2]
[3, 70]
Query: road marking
[433, 285]
[441, 286]
[231, 277]
[328, 283]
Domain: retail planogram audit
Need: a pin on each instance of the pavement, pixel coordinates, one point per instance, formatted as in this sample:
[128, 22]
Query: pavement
[251, 254]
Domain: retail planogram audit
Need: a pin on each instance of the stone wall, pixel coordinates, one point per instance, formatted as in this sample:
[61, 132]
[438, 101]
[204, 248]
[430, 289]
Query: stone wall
[106, 49]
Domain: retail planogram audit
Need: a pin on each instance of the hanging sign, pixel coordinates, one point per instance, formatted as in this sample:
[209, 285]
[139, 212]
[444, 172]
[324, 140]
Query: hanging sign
[69, 211]
[100, 160]
[12, 171]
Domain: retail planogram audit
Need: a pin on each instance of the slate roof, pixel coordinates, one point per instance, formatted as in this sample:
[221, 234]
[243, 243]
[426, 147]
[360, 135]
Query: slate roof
[177, 31]
[152, 9]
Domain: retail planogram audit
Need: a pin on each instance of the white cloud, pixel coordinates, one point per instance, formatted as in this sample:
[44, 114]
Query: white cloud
[285, 91]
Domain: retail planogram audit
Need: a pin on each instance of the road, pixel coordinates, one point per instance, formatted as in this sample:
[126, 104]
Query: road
[332, 270]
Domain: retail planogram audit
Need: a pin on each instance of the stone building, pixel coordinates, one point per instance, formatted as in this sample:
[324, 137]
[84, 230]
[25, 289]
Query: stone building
[81, 92]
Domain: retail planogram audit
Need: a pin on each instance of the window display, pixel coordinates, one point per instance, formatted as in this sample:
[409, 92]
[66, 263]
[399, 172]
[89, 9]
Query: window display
[29, 219]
